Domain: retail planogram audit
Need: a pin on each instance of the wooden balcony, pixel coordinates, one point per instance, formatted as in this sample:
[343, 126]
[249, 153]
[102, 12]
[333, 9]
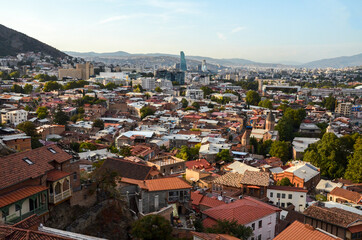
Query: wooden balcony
[56, 198]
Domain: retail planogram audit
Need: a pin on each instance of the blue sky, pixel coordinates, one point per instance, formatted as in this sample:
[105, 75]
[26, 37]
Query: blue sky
[266, 31]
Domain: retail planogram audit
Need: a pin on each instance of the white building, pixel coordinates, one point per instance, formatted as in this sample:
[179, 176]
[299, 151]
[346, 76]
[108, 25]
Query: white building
[15, 117]
[148, 83]
[284, 196]
[197, 94]
[300, 144]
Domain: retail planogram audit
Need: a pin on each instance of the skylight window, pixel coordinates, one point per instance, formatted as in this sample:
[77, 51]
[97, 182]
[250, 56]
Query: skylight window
[52, 150]
[28, 161]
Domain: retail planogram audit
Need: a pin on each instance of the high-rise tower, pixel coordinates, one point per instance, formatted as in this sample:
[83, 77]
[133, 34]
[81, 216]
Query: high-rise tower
[203, 66]
[183, 66]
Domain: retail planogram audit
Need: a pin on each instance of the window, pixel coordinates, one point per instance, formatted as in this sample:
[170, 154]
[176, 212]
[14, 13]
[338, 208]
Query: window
[260, 223]
[283, 204]
[75, 176]
[301, 196]
[290, 196]
[253, 226]
[283, 195]
[271, 194]
[259, 237]
[17, 207]
[28, 161]
[278, 195]
[52, 150]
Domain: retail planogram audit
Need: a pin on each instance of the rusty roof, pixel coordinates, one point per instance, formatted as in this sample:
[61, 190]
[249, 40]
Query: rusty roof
[19, 194]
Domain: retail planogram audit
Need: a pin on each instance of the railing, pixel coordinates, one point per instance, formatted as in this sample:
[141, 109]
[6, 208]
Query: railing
[60, 196]
[39, 211]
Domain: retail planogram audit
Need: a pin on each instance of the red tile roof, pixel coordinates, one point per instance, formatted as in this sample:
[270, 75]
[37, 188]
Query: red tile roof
[199, 164]
[163, 184]
[208, 222]
[199, 199]
[352, 196]
[13, 233]
[300, 231]
[15, 169]
[20, 194]
[56, 174]
[212, 236]
[196, 197]
[243, 211]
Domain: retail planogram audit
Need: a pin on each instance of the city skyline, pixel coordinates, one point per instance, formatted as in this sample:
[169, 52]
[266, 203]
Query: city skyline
[276, 32]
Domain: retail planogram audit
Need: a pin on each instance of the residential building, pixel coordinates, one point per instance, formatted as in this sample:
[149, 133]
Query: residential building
[284, 196]
[326, 186]
[255, 183]
[228, 184]
[168, 165]
[15, 117]
[341, 195]
[82, 71]
[261, 217]
[148, 83]
[344, 109]
[196, 94]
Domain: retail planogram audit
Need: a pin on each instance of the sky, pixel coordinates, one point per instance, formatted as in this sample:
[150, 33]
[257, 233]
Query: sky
[284, 31]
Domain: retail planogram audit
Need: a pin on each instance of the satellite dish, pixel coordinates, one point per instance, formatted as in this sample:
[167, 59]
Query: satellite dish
[219, 198]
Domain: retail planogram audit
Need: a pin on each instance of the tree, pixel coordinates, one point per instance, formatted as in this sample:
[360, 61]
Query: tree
[17, 89]
[125, 151]
[187, 153]
[87, 145]
[285, 182]
[152, 227]
[184, 102]
[42, 112]
[158, 89]
[224, 155]
[266, 104]
[231, 228]
[354, 168]
[329, 103]
[207, 91]
[146, 111]
[28, 88]
[285, 129]
[252, 98]
[29, 129]
[111, 86]
[14, 74]
[51, 86]
[196, 105]
[61, 117]
[98, 123]
[281, 150]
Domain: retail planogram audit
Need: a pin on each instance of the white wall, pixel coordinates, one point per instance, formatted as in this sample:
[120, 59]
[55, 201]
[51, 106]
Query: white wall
[267, 229]
[298, 198]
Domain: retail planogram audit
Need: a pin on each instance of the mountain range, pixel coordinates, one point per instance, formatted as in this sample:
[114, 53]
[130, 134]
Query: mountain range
[13, 42]
[338, 62]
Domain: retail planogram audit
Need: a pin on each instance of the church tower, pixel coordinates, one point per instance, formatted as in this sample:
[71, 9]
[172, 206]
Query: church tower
[270, 122]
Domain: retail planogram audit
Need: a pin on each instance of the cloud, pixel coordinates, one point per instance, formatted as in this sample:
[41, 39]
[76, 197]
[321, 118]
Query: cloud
[116, 18]
[237, 29]
[161, 16]
[221, 36]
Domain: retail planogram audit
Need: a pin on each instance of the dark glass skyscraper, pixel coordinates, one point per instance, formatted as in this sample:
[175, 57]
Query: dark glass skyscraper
[183, 66]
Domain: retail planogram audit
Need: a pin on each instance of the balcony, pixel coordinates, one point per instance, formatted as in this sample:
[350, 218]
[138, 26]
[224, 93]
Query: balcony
[14, 218]
[56, 198]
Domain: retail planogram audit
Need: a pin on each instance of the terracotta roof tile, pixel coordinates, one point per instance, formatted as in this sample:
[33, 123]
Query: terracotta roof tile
[163, 184]
[335, 216]
[255, 178]
[29, 222]
[229, 179]
[13, 233]
[15, 169]
[212, 236]
[199, 164]
[20, 194]
[300, 231]
[56, 174]
[244, 211]
[352, 196]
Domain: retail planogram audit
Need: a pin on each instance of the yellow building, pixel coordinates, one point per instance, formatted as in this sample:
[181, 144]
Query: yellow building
[82, 71]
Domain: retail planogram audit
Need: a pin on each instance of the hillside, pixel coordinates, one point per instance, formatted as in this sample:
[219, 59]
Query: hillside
[338, 62]
[13, 42]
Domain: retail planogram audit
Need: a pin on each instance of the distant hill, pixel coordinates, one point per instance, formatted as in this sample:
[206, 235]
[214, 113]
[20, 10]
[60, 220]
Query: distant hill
[13, 42]
[338, 62]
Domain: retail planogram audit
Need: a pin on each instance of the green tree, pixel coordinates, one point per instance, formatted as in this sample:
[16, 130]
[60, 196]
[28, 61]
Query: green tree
[111, 86]
[285, 129]
[60, 117]
[354, 168]
[17, 89]
[281, 150]
[146, 111]
[98, 123]
[266, 104]
[42, 112]
[207, 91]
[29, 129]
[152, 227]
[285, 182]
[224, 155]
[158, 89]
[196, 105]
[187, 153]
[87, 146]
[28, 88]
[125, 151]
[52, 86]
[14, 74]
[232, 228]
[184, 102]
[329, 103]
[252, 98]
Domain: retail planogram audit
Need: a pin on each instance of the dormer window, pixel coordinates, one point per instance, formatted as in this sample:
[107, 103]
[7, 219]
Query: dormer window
[28, 161]
[52, 150]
